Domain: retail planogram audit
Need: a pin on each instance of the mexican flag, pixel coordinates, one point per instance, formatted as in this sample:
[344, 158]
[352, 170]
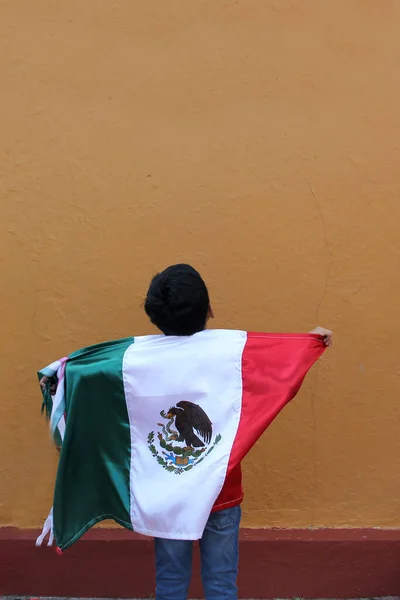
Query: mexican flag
[150, 426]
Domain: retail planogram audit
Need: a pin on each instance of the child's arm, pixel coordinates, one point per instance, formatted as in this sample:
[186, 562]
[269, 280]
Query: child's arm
[326, 333]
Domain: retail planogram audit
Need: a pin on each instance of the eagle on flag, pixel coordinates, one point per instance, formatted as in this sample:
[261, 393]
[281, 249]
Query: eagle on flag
[189, 416]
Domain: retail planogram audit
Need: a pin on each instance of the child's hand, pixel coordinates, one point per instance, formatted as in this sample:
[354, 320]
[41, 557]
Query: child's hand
[326, 333]
[53, 385]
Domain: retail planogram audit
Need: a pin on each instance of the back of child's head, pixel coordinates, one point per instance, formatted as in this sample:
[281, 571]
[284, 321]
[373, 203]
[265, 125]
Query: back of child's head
[177, 301]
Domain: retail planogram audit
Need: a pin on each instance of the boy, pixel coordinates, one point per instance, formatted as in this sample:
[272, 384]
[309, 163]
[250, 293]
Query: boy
[178, 304]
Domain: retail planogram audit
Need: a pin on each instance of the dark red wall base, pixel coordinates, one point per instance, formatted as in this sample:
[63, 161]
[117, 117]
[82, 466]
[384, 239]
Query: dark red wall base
[273, 564]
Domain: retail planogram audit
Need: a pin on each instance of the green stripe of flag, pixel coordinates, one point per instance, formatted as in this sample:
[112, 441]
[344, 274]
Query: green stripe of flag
[92, 482]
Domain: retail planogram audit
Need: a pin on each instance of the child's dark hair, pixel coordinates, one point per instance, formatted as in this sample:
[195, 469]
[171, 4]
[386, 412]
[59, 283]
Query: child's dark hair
[177, 301]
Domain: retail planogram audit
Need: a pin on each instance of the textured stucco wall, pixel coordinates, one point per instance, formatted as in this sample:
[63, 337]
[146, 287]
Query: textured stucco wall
[257, 139]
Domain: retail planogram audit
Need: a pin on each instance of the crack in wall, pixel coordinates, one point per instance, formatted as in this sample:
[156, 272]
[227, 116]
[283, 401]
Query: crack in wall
[317, 314]
[327, 248]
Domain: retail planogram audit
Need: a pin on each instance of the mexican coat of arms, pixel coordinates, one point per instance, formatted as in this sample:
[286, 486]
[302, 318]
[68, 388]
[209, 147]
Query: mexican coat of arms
[184, 440]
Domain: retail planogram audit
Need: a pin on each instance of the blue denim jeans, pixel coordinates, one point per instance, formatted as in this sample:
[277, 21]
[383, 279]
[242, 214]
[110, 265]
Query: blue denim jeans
[219, 550]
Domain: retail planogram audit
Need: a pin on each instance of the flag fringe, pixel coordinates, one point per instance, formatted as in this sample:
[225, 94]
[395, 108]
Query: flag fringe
[48, 529]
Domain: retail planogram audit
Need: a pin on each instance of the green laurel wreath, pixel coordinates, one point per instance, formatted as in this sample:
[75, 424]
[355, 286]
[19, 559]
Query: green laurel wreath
[178, 451]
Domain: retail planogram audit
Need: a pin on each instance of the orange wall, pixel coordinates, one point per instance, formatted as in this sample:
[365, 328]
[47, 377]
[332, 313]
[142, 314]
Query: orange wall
[257, 139]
